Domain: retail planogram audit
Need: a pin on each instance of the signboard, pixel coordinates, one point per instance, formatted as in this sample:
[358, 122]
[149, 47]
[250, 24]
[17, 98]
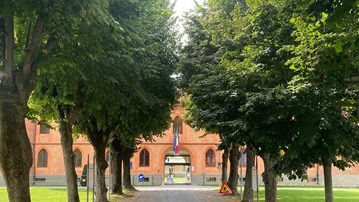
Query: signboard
[130, 164]
[225, 189]
[141, 177]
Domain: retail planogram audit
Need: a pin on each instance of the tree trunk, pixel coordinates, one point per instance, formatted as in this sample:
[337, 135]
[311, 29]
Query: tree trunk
[126, 169]
[225, 165]
[116, 166]
[233, 173]
[328, 181]
[248, 187]
[101, 165]
[269, 179]
[15, 148]
[71, 177]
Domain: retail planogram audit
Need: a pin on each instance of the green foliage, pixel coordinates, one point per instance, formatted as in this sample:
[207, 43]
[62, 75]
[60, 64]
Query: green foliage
[274, 76]
[115, 71]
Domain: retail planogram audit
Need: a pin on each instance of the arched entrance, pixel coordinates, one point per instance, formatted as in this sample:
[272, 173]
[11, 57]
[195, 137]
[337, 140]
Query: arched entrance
[177, 167]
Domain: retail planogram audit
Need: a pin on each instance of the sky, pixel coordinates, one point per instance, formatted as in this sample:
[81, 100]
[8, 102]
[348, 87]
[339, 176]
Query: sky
[181, 7]
[185, 5]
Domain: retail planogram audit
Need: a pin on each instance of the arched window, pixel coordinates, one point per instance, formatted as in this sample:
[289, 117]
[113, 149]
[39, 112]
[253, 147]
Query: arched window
[210, 158]
[42, 159]
[144, 158]
[177, 125]
[77, 158]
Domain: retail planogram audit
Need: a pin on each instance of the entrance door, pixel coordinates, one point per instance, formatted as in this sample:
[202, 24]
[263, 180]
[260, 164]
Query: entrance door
[178, 169]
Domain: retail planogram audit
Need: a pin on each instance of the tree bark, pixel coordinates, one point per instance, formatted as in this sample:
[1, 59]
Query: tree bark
[126, 169]
[328, 181]
[225, 165]
[101, 165]
[116, 166]
[248, 187]
[2, 40]
[71, 177]
[269, 179]
[233, 173]
[15, 149]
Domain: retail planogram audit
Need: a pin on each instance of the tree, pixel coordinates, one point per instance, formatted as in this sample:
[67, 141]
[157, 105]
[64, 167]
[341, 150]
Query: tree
[324, 59]
[62, 92]
[239, 95]
[29, 30]
[155, 65]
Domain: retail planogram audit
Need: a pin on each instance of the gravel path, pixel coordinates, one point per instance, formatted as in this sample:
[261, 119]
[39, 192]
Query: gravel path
[178, 194]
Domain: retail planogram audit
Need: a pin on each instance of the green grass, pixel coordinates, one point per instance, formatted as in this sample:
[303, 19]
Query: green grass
[178, 179]
[47, 194]
[311, 194]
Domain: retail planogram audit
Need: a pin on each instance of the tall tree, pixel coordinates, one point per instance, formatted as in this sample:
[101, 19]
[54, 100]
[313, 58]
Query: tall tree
[325, 57]
[29, 31]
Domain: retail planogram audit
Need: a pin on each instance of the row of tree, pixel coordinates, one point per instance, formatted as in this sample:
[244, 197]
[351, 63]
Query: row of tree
[99, 68]
[279, 77]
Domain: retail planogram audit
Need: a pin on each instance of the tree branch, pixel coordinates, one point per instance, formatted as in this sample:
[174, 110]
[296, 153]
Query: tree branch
[2, 42]
[33, 47]
[9, 47]
[29, 26]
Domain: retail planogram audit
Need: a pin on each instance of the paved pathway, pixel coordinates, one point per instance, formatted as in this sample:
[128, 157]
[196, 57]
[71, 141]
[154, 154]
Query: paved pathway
[178, 193]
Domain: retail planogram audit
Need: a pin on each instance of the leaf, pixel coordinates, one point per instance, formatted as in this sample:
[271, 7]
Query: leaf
[338, 47]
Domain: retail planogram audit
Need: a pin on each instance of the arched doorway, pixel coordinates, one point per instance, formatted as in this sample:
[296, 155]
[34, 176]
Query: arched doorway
[177, 167]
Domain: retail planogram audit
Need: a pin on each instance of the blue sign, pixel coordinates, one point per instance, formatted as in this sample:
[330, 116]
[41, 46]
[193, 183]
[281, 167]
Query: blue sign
[130, 164]
[141, 177]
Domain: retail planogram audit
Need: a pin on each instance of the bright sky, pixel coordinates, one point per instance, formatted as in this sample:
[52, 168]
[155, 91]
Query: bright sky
[181, 7]
[185, 5]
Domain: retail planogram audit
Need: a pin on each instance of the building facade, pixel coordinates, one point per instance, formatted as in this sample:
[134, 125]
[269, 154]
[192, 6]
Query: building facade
[180, 156]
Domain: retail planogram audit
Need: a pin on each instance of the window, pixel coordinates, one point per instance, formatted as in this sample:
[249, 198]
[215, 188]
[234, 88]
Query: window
[210, 158]
[40, 179]
[177, 125]
[77, 158]
[211, 179]
[42, 159]
[144, 158]
[45, 129]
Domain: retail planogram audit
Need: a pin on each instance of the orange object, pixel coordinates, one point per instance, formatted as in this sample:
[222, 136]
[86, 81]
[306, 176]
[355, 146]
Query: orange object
[225, 189]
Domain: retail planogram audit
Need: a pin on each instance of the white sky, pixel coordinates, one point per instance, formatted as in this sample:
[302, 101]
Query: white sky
[185, 5]
[181, 7]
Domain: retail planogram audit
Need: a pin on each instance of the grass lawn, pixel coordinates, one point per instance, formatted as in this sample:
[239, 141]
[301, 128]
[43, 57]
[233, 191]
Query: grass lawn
[47, 194]
[311, 194]
[58, 195]
[178, 179]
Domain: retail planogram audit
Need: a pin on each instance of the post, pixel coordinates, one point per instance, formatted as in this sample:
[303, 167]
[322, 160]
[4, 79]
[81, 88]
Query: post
[109, 173]
[219, 166]
[241, 173]
[317, 174]
[257, 178]
[93, 178]
[87, 178]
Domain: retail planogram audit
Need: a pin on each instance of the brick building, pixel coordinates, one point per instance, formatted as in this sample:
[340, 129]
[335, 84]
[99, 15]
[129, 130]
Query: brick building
[196, 160]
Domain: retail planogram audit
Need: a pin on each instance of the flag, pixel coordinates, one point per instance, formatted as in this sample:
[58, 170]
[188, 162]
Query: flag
[175, 142]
